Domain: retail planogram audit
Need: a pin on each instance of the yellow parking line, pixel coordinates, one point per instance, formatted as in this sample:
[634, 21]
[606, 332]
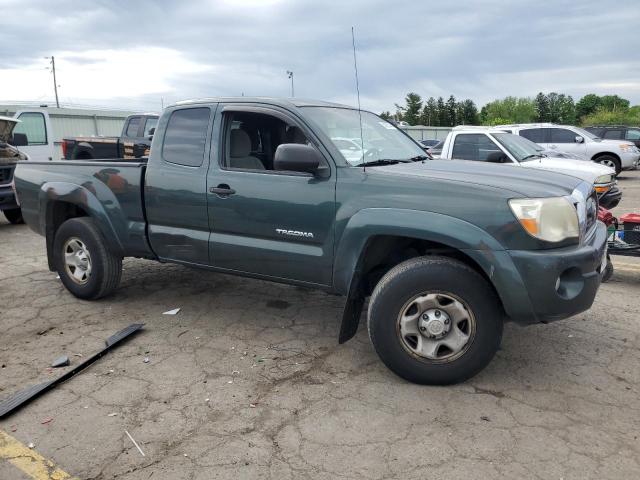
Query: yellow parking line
[29, 461]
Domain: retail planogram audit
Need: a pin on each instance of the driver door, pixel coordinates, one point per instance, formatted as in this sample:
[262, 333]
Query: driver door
[264, 222]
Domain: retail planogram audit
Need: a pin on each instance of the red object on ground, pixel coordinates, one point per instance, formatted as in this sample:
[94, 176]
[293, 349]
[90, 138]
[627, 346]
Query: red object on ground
[630, 218]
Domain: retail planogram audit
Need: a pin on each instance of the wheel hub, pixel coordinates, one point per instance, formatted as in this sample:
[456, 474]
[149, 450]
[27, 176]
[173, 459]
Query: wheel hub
[77, 261]
[434, 323]
[436, 326]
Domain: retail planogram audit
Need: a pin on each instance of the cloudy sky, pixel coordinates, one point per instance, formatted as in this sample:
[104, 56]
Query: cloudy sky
[136, 54]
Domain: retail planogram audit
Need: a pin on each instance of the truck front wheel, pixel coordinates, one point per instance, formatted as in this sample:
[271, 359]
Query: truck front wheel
[14, 216]
[87, 268]
[435, 321]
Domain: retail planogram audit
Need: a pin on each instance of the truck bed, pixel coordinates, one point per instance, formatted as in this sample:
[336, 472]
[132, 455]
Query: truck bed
[109, 190]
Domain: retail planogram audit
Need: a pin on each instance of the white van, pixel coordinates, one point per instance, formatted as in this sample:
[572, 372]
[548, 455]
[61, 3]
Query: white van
[36, 126]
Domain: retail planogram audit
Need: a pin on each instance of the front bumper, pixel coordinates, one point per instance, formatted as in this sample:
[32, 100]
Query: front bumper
[611, 198]
[7, 198]
[560, 282]
[629, 160]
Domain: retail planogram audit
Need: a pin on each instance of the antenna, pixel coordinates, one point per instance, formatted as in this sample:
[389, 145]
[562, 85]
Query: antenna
[355, 67]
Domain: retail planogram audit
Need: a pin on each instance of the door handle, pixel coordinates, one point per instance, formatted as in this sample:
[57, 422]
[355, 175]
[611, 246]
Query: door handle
[222, 190]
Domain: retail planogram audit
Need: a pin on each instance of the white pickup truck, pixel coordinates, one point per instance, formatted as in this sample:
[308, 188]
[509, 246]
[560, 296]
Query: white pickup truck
[494, 145]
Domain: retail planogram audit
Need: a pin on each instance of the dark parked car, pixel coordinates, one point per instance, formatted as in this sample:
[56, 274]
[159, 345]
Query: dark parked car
[617, 132]
[446, 251]
[134, 141]
[429, 143]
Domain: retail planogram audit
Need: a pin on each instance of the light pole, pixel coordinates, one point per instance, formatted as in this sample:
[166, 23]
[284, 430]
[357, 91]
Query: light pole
[290, 75]
[55, 83]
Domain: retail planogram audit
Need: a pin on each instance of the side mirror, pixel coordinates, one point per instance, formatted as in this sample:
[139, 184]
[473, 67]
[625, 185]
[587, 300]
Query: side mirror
[579, 139]
[295, 157]
[19, 140]
[152, 132]
[497, 157]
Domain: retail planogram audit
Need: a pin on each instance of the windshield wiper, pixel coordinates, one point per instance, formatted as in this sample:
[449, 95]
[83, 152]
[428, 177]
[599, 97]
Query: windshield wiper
[381, 161]
[533, 155]
[419, 158]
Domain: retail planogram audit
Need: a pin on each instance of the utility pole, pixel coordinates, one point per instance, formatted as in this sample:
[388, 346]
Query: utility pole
[55, 82]
[290, 75]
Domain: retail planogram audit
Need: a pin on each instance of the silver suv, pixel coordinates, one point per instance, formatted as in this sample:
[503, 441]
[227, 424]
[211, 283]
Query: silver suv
[618, 154]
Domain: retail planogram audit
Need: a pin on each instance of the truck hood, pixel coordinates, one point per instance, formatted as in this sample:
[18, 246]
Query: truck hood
[583, 169]
[521, 181]
[7, 125]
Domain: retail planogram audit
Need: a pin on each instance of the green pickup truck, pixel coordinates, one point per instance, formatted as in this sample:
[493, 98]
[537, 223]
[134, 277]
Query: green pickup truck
[446, 252]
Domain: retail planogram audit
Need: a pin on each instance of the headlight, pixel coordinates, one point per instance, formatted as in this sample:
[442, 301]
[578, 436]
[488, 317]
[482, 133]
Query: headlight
[627, 148]
[549, 219]
[604, 179]
[603, 183]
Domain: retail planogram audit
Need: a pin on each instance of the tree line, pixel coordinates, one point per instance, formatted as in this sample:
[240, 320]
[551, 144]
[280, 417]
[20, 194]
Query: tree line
[553, 107]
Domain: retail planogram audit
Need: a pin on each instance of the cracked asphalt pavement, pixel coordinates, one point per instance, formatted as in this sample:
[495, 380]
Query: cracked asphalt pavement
[248, 381]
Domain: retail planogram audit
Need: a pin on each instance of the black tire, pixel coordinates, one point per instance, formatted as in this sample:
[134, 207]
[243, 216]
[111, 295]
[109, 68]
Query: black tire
[14, 216]
[438, 275]
[106, 267]
[608, 270]
[610, 161]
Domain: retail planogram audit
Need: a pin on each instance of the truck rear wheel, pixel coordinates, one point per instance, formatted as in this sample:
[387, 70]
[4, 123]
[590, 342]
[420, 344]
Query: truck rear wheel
[87, 268]
[435, 321]
[14, 216]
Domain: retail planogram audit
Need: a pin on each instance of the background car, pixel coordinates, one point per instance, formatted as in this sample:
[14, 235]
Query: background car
[617, 132]
[618, 154]
[429, 142]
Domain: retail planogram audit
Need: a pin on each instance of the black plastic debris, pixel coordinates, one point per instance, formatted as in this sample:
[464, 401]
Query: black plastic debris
[16, 401]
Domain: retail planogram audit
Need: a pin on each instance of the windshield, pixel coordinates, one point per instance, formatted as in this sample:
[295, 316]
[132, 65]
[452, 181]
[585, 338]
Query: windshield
[380, 139]
[519, 147]
[586, 133]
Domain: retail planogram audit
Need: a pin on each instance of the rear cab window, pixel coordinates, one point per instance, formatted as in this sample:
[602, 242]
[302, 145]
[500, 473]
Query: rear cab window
[185, 136]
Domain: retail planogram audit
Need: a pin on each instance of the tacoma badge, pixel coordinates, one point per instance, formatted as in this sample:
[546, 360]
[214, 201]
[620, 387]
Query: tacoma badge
[294, 233]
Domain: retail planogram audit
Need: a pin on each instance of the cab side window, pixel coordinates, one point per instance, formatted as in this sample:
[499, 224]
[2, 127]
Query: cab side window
[251, 140]
[33, 126]
[473, 146]
[633, 134]
[185, 136]
[613, 134]
[562, 135]
[536, 135]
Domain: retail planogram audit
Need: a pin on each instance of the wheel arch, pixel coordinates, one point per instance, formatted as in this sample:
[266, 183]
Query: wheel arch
[83, 151]
[63, 201]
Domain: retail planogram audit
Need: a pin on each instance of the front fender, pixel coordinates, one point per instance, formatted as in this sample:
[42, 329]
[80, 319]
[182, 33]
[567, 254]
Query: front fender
[369, 223]
[457, 234]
